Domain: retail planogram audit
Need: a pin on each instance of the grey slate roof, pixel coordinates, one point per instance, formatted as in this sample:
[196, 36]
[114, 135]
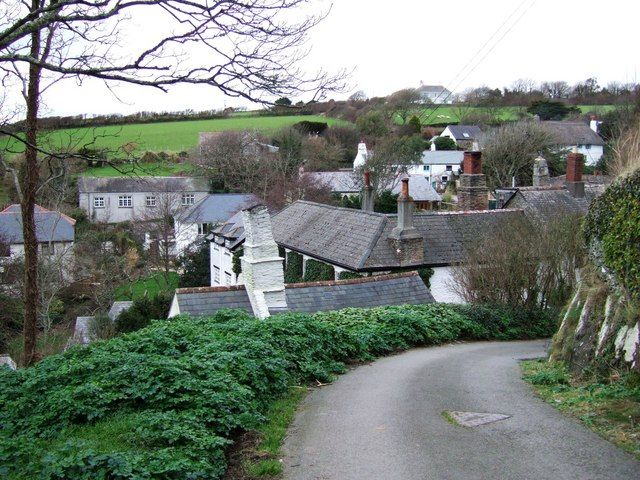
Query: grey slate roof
[398, 289]
[142, 184]
[395, 289]
[540, 202]
[346, 182]
[218, 207]
[118, 307]
[208, 300]
[359, 240]
[573, 133]
[50, 226]
[465, 132]
[232, 232]
[442, 157]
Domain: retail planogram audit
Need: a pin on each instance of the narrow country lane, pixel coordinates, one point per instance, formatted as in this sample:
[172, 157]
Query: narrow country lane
[384, 421]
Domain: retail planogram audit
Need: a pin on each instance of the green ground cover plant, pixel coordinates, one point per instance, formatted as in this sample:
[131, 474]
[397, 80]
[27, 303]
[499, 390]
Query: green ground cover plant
[164, 401]
[148, 286]
[608, 406]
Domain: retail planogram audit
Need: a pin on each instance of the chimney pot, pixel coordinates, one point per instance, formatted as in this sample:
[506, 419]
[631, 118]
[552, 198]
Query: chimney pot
[472, 163]
[405, 187]
[367, 179]
[574, 182]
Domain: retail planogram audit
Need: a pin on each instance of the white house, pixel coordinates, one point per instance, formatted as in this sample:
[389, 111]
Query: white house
[435, 94]
[55, 233]
[579, 137]
[224, 241]
[463, 135]
[121, 199]
[438, 166]
[197, 221]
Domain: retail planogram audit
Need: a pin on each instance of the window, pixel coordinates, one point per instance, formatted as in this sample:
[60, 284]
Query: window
[216, 274]
[465, 135]
[426, 168]
[188, 199]
[125, 201]
[227, 254]
[98, 202]
[48, 249]
[151, 201]
[227, 277]
[203, 229]
[588, 147]
[445, 178]
[449, 168]
[216, 247]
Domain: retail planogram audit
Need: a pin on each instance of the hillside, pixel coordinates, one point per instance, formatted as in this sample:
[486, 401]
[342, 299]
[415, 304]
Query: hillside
[164, 136]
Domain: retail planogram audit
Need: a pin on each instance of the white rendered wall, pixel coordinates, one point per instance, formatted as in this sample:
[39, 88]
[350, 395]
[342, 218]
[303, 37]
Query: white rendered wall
[441, 282]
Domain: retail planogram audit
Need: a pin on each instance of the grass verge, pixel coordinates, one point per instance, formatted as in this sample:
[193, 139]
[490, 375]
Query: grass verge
[262, 457]
[610, 407]
[149, 286]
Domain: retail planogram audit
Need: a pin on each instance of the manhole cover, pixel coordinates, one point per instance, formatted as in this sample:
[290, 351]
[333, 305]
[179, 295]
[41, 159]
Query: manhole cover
[474, 419]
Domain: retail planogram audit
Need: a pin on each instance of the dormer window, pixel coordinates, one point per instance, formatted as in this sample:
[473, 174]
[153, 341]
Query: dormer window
[188, 199]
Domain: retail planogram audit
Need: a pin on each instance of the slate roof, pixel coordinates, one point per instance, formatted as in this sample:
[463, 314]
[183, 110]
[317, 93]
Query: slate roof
[346, 182]
[218, 207]
[394, 289]
[50, 226]
[573, 133]
[359, 240]
[540, 202]
[472, 132]
[442, 157]
[142, 184]
[231, 232]
[118, 307]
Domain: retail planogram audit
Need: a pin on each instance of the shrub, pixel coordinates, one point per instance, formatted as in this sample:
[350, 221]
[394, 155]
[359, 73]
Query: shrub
[143, 311]
[164, 402]
[445, 143]
[102, 327]
[236, 266]
[293, 269]
[347, 275]
[316, 271]
[551, 109]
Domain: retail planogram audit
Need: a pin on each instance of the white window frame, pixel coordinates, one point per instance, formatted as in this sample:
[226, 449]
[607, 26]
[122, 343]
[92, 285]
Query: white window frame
[151, 201]
[228, 278]
[125, 201]
[203, 229]
[98, 202]
[216, 247]
[216, 275]
[188, 199]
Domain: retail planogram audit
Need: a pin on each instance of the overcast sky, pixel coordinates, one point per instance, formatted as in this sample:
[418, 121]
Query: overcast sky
[394, 45]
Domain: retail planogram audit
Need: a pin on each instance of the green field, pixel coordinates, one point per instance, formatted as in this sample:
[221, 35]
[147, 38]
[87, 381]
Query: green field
[160, 169]
[149, 286]
[164, 136]
[451, 113]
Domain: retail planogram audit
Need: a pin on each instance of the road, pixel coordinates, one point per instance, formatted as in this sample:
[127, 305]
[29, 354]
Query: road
[384, 421]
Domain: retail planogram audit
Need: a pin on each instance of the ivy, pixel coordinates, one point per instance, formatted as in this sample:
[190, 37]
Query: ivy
[316, 271]
[293, 268]
[236, 264]
[613, 224]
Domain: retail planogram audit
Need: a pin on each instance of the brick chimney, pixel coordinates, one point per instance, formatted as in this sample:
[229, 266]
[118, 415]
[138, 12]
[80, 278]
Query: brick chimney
[574, 182]
[367, 193]
[473, 193]
[261, 265]
[540, 172]
[405, 239]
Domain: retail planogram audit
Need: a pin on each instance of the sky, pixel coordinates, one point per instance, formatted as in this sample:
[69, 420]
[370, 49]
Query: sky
[394, 45]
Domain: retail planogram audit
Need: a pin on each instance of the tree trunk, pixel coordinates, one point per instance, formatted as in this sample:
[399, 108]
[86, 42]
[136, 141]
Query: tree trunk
[29, 188]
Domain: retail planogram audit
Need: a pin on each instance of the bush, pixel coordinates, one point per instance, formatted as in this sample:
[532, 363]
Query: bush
[102, 327]
[143, 311]
[236, 266]
[613, 225]
[347, 275]
[293, 268]
[164, 402]
[316, 271]
[551, 109]
[445, 143]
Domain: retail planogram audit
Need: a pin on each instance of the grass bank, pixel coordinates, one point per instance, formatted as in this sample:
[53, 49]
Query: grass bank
[610, 407]
[148, 286]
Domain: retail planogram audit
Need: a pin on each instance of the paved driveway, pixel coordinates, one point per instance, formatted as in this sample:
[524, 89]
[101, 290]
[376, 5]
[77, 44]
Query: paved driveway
[384, 421]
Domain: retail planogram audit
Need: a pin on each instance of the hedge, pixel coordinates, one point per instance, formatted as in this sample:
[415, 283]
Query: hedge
[165, 401]
[315, 271]
[293, 268]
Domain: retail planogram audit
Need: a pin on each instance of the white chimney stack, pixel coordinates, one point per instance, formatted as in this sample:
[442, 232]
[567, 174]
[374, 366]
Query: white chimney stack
[261, 264]
[594, 124]
[361, 157]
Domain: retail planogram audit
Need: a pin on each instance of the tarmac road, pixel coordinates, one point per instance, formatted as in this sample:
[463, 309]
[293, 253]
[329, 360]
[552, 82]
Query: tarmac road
[384, 421]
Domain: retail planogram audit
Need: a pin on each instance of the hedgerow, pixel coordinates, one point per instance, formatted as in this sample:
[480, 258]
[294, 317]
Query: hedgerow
[164, 401]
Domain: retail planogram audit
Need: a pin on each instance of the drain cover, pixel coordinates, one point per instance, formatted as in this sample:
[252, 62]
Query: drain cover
[474, 419]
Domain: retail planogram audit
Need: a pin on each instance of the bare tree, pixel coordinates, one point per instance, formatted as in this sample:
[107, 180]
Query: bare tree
[557, 89]
[403, 104]
[509, 151]
[247, 49]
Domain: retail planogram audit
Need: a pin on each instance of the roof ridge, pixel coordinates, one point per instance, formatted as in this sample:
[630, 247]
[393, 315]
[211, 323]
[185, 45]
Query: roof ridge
[469, 212]
[333, 207]
[351, 281]
[227, 288]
